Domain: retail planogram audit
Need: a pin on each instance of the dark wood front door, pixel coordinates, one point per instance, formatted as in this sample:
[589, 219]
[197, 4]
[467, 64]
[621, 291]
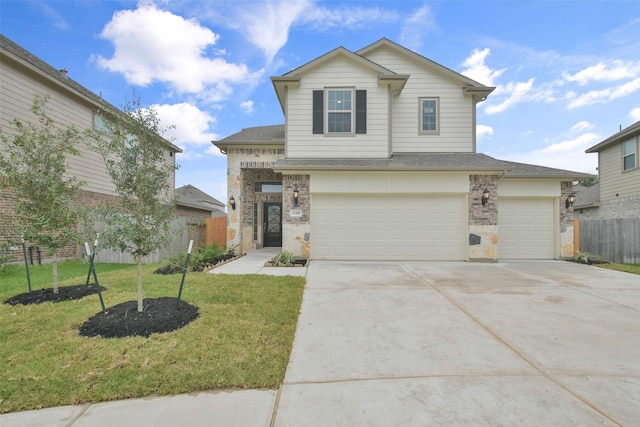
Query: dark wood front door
[272, 225]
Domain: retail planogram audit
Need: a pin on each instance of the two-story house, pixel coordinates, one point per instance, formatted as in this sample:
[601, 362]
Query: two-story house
[609, 211]
[23, 76]
[377, 160]
[617, 194]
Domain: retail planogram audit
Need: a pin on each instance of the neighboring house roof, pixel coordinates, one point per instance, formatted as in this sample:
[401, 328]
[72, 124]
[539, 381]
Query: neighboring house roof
[59, 78]
[586, 197]
[625, 133]
[192, 197]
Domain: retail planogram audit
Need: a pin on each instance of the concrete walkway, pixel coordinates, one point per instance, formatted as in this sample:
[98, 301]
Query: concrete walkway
[428, 343]
[254, 263]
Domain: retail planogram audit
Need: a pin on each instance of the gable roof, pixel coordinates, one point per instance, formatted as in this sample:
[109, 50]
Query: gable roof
[193, 197]
[628, 132]
[292, 78]
[16, 53]
[470, 84]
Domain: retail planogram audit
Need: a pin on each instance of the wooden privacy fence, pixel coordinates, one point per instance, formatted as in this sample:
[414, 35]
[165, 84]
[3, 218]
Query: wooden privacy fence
[615, 240]
[186, 230]
[215, 230]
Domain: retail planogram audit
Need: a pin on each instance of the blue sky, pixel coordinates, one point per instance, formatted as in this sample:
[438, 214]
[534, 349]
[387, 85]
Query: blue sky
[567, 72]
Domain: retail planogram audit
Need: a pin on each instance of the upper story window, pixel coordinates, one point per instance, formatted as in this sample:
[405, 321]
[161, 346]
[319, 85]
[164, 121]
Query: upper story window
[629, 155]
[429, 116]
[340, 111]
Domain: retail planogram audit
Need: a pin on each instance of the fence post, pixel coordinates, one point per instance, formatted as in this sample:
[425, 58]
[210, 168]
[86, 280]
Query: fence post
[576, 236]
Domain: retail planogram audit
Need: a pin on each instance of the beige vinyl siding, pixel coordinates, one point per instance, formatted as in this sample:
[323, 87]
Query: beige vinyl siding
[18, 91]
[456, 110]
[340, 72]
[18, 88]
[612, 180]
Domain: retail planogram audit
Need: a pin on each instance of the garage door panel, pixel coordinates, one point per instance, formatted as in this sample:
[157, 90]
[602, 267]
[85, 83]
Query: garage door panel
[388, 226]
[526, 228]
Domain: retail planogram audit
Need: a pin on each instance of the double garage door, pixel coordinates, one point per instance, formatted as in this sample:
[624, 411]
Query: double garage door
[424, 227]
[389, 226]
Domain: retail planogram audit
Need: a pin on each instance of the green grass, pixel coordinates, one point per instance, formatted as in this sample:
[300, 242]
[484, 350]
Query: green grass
[629, 268]
[241, 340]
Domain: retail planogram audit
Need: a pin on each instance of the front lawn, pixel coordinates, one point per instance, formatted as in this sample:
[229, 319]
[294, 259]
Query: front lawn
[629, 268]
[242, 339]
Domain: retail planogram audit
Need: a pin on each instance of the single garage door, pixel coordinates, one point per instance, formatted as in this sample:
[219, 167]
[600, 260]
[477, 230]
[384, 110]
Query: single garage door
[388, 227]
[526, 227]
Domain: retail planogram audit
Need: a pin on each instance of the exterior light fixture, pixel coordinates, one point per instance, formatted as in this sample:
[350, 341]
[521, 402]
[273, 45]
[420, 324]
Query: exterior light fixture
[485, 196]
[296, 191]
[232, 202]
[571, 199]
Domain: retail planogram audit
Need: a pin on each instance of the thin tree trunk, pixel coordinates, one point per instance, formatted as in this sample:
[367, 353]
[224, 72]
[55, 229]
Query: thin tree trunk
[139, 261]
[55, 273]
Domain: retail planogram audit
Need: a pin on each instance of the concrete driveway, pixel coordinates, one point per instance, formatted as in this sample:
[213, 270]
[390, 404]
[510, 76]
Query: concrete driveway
[464, 344]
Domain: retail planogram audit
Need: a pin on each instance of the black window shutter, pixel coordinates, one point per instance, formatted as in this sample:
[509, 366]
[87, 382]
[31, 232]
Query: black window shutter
[318, 112]
[361, 111]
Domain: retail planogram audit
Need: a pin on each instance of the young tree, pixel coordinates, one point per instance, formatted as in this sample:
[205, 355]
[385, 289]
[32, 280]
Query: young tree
[135, 155]
[33, 168]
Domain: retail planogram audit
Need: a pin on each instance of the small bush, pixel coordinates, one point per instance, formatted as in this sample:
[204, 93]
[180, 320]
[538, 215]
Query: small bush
[202, 257]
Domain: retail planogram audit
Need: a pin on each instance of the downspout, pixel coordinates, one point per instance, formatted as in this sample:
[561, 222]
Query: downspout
[475, 124]
[390, 120]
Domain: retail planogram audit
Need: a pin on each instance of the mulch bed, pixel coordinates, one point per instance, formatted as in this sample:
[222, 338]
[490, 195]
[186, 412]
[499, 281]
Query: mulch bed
[65, 293]
[124, 320]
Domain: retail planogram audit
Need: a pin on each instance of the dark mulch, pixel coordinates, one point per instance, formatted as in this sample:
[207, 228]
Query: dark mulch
[65, 293]
[124, 320]
[174, 269]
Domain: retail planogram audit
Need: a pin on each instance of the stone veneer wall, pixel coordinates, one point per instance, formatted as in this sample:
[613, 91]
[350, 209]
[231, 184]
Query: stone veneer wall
[483, 220]
[241, 162]
[296, 230]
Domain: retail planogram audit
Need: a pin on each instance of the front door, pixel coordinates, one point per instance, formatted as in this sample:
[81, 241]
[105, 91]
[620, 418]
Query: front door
[272, 225]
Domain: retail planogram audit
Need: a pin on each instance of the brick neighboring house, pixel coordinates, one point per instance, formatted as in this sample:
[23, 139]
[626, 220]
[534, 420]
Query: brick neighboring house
[22, 77]
[377, 160]
[195, 204]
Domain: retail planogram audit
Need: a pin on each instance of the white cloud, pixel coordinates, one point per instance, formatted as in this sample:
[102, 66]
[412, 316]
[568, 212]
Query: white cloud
[605, 95]
[617, 70]
[266, 24]
[635, 114]
[579, 143]
[514, 92]
[192, 125]
[483, 131]
[154, 45]
[414, 27]
[352, 17]
[581, 126]
[477, 70]
[247, 107]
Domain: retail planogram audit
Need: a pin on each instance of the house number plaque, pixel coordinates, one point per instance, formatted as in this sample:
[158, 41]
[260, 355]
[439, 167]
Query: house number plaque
[295, 213]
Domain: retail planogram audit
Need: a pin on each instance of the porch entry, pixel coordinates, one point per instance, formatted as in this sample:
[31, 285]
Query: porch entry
[272, 225]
